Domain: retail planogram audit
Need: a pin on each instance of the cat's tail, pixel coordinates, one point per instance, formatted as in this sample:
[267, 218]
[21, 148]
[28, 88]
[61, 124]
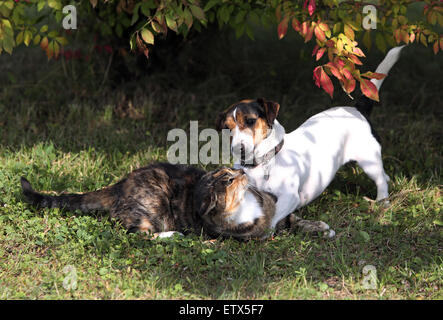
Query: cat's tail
[95, 200]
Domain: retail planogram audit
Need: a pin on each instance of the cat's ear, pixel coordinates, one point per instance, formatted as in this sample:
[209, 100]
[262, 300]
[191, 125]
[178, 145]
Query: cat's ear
[207, 204]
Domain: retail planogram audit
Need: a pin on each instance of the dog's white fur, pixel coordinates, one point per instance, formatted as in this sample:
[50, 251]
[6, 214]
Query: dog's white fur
[312, 154]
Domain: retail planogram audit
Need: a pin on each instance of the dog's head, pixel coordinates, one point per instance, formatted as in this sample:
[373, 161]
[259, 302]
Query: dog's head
[250, 121]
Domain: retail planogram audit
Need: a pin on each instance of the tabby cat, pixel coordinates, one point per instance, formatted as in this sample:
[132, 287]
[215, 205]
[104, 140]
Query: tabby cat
[162, 198]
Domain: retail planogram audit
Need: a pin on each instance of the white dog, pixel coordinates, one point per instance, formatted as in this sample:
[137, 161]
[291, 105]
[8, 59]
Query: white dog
[298, 166]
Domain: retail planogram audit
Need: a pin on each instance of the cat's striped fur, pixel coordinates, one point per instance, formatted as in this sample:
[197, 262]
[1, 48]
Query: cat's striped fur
[163, 197]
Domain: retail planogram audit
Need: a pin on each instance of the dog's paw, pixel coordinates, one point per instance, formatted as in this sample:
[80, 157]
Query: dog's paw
[385, 203]
[310, 226]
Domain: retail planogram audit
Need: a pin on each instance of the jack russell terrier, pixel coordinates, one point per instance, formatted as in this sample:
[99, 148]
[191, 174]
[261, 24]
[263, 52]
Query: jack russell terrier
[298, 166]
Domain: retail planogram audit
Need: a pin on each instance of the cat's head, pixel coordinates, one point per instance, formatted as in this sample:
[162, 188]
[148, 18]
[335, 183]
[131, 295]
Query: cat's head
[219, 193]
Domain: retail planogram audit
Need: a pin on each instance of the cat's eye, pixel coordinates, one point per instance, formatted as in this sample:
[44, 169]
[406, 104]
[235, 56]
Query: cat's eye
[250, 121]
[229, 181]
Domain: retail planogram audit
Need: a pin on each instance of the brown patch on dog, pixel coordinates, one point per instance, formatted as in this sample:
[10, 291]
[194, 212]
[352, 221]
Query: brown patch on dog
[260, 131]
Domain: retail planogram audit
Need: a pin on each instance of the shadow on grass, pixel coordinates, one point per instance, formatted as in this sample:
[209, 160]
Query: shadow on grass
[409, 121]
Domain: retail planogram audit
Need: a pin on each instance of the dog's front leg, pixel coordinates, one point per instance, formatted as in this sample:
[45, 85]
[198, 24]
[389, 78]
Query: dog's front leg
[284, 206]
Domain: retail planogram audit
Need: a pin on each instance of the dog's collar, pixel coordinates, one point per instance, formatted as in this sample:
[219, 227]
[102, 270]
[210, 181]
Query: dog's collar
[265, 158]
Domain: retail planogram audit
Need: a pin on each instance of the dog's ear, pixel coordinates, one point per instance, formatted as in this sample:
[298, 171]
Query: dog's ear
[271, 109]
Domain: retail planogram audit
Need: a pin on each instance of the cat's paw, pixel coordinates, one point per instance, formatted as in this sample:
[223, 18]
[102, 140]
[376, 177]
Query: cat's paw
[329, 234]
[167, 234]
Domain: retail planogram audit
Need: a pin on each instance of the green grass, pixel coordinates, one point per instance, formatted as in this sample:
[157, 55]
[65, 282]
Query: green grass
[74, 142]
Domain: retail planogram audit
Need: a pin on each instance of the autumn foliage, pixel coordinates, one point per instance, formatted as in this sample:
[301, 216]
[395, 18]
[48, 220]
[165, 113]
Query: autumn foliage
[336, 28]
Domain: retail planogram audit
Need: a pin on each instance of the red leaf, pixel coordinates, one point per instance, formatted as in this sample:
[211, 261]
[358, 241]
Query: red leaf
[44, 43]
[146, 52]
[282, 28]
[349, 85]
[311, 7]
[107, 48]
[319, 33]
[323, 80]
[334, 70]
[436, 47]
[320, 53]
[369, 89]
[355, 59]
[315, 50]
[317, 75]
[296, 25]
[374, 75]
[397, 35]
[349, 32]
[309, 35]
[347, 73]
[278, 12]
[304, 29]
[330, 43]
[358, 52]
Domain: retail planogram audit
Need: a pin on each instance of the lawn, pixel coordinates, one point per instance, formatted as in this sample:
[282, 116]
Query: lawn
[68, 126]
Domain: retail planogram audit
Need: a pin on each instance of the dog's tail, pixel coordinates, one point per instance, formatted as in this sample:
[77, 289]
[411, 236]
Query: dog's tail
[364, 104]
[96, 200]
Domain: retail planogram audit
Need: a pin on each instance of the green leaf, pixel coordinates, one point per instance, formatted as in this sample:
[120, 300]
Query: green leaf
[249, 32]
[210, 4]
[171, 23]
[53, 34]
[41, 5]
[44, 28]
[146, 9]
[197, 12]
[337, 27]
[323, 286]
[240, 17]
[8, 44]
[8, 4]
[62, 40]
[27, 37]
[36, 40]
[364, 236]
[438, 222]
[380, 42]
[19, 38]
[367, 41]
[188, 18]
[135, 14]
[54, 4]
[147, 36]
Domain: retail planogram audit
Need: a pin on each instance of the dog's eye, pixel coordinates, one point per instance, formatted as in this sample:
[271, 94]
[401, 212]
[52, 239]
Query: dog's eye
[251, 121]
